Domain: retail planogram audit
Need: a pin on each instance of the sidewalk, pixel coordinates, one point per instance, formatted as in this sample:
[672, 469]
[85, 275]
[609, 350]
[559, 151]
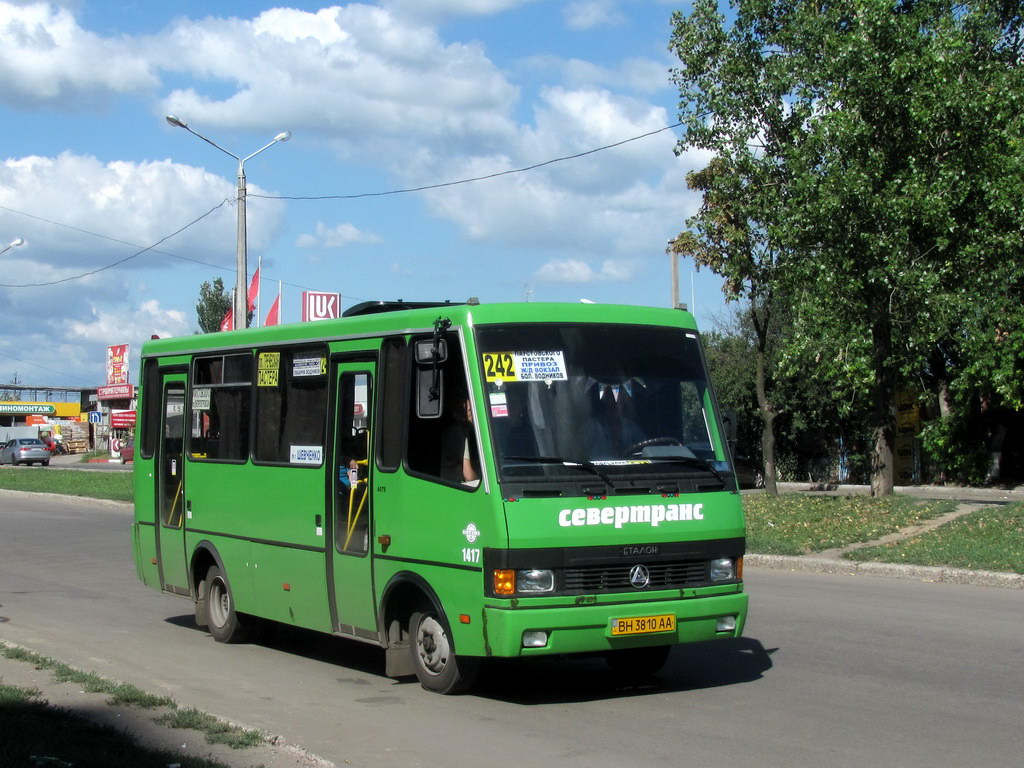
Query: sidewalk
[970, 498]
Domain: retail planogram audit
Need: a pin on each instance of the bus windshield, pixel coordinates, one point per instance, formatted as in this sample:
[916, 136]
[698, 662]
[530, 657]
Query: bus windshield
[626, 406]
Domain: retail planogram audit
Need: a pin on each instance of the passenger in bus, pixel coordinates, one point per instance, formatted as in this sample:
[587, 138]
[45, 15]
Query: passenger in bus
[459, 463]
[611, 429]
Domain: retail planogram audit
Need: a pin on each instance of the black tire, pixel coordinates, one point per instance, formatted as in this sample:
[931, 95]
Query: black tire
[225, 624]
[638, 663]
[45, 463]
[437, 666]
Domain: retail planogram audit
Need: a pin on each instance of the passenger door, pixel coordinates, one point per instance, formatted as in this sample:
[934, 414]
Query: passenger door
[170, 467]
[350, 510]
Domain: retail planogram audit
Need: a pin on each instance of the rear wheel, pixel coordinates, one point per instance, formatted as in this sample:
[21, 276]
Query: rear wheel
[638, 662]
[225, 624]
[45, 463]
[437, 667]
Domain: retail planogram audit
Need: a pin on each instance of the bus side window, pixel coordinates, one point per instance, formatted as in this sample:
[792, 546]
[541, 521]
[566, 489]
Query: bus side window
[221, 407]
[291, 405]
[445, 449]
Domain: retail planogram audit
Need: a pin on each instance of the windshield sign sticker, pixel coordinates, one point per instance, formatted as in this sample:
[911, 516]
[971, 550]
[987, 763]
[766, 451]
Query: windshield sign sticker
[306, 454]
[643, 514]
[524, 366]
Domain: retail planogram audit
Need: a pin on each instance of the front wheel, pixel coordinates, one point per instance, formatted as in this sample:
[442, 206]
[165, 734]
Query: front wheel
[437, 667]
[638, 663]
[225, 624]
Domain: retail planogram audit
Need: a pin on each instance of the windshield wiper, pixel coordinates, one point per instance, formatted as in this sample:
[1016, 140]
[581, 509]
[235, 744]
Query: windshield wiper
[582, 463]
[689, 461]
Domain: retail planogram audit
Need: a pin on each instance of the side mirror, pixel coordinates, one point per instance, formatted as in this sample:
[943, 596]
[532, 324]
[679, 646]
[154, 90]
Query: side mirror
[425, 351]
[429, 396]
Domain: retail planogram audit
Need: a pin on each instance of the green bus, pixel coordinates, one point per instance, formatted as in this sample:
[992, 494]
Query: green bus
[449, 482]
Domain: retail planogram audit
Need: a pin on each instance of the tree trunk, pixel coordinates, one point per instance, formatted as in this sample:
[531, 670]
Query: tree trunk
[767, 412]
[884, 401]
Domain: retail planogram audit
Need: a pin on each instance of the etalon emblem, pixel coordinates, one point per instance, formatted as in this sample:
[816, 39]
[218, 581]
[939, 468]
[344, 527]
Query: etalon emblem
[639, 576]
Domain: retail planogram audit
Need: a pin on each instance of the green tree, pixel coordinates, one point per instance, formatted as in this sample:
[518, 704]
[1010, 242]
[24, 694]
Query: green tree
[876, 148]
[214, 303]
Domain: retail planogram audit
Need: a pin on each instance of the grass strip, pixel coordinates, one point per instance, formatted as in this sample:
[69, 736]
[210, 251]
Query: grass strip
[990, 539]
[216, 731]
[116, 486]
[123, 694]
[798, 524]
[37, 734]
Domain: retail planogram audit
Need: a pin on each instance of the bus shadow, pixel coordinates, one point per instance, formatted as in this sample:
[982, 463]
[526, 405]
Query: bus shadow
[543, 680]
[562, 680]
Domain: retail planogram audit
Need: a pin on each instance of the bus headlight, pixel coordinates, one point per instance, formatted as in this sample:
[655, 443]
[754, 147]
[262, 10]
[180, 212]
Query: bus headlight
[535, 581]
[722, 569]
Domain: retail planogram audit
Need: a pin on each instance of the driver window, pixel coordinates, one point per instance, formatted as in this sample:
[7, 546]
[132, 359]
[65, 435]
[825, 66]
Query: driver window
[445, 449]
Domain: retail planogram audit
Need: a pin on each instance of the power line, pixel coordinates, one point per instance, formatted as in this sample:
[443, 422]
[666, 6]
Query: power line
[119, 261]
[498, 174]
[36, 365]
[152, 248]
[195, 221]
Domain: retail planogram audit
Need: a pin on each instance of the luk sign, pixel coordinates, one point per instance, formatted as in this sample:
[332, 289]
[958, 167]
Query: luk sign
[320, 305]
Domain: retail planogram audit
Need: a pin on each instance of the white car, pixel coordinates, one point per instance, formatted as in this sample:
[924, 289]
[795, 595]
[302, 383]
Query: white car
[25, 450]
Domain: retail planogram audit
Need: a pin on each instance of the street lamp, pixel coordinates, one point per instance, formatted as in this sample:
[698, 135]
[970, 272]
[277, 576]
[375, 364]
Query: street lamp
[13, 244]
[239, 304]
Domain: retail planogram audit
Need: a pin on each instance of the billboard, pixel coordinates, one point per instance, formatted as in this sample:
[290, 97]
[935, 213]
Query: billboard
[115, 392]
[320, 305]
[122, 419]
[117, 364]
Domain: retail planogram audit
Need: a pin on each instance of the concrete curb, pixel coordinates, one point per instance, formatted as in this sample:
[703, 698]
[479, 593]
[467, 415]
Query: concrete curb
[890, 570]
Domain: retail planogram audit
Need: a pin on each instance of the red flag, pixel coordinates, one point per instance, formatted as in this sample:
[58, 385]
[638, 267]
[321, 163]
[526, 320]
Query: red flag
[228, 323]
[254, 288]
[273, 316]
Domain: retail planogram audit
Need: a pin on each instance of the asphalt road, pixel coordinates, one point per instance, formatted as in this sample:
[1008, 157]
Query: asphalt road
[834, 670]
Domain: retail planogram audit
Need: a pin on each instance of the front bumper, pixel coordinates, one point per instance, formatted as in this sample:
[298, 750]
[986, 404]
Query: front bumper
[587, 628]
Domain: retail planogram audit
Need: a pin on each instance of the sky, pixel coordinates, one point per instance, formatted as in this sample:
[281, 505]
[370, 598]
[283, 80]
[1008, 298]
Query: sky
[380, 98]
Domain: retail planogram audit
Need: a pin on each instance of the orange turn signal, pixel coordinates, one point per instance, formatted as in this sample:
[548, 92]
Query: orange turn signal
[739, 567]
[504, 582]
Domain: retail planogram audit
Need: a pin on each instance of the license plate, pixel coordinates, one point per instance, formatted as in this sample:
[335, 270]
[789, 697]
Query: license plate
[641, 625]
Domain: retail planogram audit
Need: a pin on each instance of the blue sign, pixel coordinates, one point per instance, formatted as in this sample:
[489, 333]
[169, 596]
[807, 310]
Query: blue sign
[95, 417]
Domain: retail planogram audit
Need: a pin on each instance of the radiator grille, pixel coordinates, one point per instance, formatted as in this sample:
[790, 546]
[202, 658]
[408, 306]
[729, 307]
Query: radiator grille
[615, 578]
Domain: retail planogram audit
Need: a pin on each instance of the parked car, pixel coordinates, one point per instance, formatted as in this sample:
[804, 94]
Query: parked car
[127, 452]
[25, 450]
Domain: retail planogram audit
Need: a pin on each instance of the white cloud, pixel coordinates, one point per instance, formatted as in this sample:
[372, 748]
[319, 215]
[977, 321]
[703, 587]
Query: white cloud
[356, 74]
[634, 75]
[124, 203]
[45, 56]
[335, 237]
[442, 8]
[576, 271]
[588, 14]
[131, 325]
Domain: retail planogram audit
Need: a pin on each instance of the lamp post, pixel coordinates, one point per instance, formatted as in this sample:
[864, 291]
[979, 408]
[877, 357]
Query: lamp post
[13, 244]
[240, 303]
